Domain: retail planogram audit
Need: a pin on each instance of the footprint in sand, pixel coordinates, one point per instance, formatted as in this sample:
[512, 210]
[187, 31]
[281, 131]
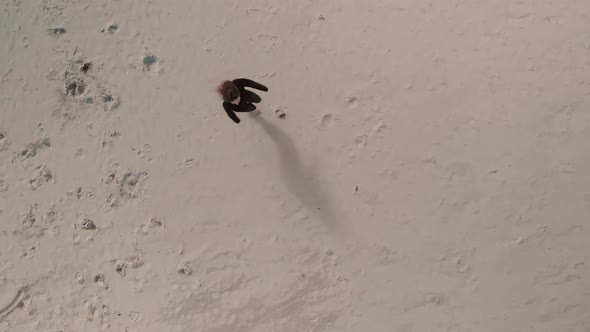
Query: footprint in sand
[11, 297]
[327, 120]
[32, 149]
[3, 141]
[57, 32]
[40, 176]
[131, 184]
[352, 102]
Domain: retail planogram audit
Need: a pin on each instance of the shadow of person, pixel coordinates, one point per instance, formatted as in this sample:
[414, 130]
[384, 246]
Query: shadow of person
[300, 181]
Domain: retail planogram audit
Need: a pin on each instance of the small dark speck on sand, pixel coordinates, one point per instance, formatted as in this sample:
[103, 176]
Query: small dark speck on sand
[111, 29]
[149, 60]
[86, 67]
[57, 31]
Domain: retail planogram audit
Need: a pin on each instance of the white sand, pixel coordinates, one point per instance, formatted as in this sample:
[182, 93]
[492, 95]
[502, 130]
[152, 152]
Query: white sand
[432, 172]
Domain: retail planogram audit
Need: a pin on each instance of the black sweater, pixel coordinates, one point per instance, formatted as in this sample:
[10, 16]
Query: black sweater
[247, 98]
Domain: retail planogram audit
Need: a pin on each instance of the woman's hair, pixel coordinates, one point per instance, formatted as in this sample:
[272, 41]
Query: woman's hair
[228, 91]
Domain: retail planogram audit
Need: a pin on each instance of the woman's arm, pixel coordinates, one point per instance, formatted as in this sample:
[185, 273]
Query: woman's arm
[230, 112]
[250, 84]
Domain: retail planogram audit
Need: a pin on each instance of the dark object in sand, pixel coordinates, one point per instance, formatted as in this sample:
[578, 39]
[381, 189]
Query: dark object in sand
[86, 67]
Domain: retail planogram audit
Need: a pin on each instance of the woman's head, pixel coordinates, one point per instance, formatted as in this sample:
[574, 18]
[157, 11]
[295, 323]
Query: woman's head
[229, 92]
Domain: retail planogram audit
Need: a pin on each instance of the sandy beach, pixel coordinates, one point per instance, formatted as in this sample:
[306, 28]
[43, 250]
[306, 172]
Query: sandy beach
[416, 166]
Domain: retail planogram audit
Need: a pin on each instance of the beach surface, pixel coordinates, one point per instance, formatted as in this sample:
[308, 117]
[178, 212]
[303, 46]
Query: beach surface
[416, 166]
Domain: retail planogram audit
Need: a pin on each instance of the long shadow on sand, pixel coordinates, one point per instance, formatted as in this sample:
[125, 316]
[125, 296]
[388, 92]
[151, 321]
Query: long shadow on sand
[299, 180]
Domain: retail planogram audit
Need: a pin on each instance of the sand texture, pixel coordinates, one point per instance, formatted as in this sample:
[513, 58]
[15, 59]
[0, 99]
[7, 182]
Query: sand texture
[417, 166]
